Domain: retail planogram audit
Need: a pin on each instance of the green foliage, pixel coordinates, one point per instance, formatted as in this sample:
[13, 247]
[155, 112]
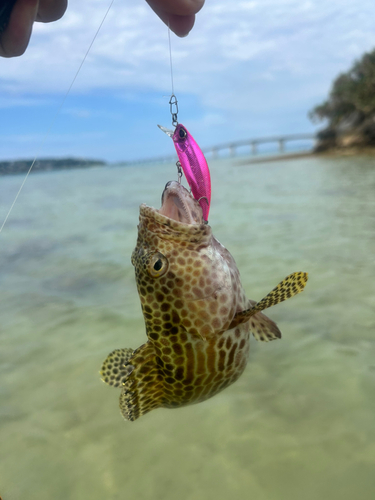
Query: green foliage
[352, 94]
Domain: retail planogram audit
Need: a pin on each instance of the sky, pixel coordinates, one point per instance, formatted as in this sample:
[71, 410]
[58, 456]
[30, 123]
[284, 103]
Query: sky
[249, 68]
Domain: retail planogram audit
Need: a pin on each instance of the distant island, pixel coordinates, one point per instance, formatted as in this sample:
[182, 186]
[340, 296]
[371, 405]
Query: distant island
[349, 109]
[22, 166]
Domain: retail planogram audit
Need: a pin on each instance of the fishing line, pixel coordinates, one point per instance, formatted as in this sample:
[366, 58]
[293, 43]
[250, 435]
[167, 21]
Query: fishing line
[170, 55]
[54, 118]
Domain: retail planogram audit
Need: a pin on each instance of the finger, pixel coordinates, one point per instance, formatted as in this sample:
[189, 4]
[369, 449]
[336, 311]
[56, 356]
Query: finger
[177, 14]
[180, 25]
[178, 7]
[15, 38]
[51, 10]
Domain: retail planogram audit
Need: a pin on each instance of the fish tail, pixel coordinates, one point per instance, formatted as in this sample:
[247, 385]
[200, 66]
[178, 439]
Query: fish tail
[116, 367]
[143, 389]
[136, 373]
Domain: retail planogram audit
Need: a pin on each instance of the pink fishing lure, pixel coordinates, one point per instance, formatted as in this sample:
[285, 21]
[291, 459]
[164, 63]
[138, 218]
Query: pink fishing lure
[194, 165]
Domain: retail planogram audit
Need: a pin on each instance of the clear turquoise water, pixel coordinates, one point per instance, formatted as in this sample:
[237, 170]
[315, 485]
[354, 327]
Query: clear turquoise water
[299, 424]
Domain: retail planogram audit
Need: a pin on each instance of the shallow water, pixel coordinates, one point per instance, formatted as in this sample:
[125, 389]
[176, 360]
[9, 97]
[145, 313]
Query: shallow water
[300, 422]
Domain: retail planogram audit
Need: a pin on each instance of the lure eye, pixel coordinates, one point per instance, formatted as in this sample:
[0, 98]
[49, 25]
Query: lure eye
[182, 133]
[157, 265]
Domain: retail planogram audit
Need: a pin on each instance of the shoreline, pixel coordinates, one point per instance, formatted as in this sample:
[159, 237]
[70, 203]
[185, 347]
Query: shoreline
[334, 153]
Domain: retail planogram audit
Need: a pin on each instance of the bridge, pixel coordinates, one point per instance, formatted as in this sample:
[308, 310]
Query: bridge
[232, 147]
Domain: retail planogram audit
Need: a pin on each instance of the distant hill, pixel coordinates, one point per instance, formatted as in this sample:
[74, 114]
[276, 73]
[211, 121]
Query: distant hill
[22, 166]
[349, 109]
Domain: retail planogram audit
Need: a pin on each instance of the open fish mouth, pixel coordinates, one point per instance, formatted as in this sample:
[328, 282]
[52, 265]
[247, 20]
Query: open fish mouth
[178, 204]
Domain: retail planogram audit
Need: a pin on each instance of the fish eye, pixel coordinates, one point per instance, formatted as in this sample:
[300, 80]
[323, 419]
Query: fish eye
[158, 265]
[182, 133]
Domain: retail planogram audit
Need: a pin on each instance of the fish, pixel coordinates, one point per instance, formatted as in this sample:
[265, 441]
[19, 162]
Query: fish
[194, 166]
[198, 319]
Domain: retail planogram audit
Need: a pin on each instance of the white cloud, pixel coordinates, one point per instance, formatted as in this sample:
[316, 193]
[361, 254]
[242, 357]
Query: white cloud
[249, 62]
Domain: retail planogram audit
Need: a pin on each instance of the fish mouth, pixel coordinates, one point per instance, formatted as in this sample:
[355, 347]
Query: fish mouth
[178, 204]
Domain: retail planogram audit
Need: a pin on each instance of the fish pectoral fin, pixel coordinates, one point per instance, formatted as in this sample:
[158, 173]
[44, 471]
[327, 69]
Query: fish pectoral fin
[263, 328]
[288, 287]
[116, 367]
[143, 389]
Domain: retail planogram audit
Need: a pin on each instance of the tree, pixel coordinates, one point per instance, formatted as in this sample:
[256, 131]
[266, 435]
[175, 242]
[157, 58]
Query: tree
[352, 97]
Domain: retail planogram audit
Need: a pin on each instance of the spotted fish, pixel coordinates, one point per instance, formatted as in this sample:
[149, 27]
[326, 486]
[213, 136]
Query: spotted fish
[198, 319]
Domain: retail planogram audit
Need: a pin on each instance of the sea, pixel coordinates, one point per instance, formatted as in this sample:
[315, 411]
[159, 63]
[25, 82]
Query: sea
[299, 423]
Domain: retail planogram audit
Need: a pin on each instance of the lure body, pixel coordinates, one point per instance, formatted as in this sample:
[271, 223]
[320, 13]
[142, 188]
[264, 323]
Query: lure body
[195, 167]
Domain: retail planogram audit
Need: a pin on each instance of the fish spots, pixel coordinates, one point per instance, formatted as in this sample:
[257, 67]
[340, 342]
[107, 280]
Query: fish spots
[205, 330]
[224, 311]
[179, 373]
[213, 307]
[216, 323]
[177, 348]
[223, 298]
[221, 363]
[186, 323]
[184, 313]
[178, 304]
[198, 292]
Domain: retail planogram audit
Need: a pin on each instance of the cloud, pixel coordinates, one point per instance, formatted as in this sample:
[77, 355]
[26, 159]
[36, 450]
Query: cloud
[246, 68]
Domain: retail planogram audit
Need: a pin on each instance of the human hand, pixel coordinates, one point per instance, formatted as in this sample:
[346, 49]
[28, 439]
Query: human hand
[179, 14]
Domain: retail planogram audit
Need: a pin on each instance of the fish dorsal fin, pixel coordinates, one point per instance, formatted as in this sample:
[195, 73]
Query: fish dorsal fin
[116, 367]
[288, 287]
